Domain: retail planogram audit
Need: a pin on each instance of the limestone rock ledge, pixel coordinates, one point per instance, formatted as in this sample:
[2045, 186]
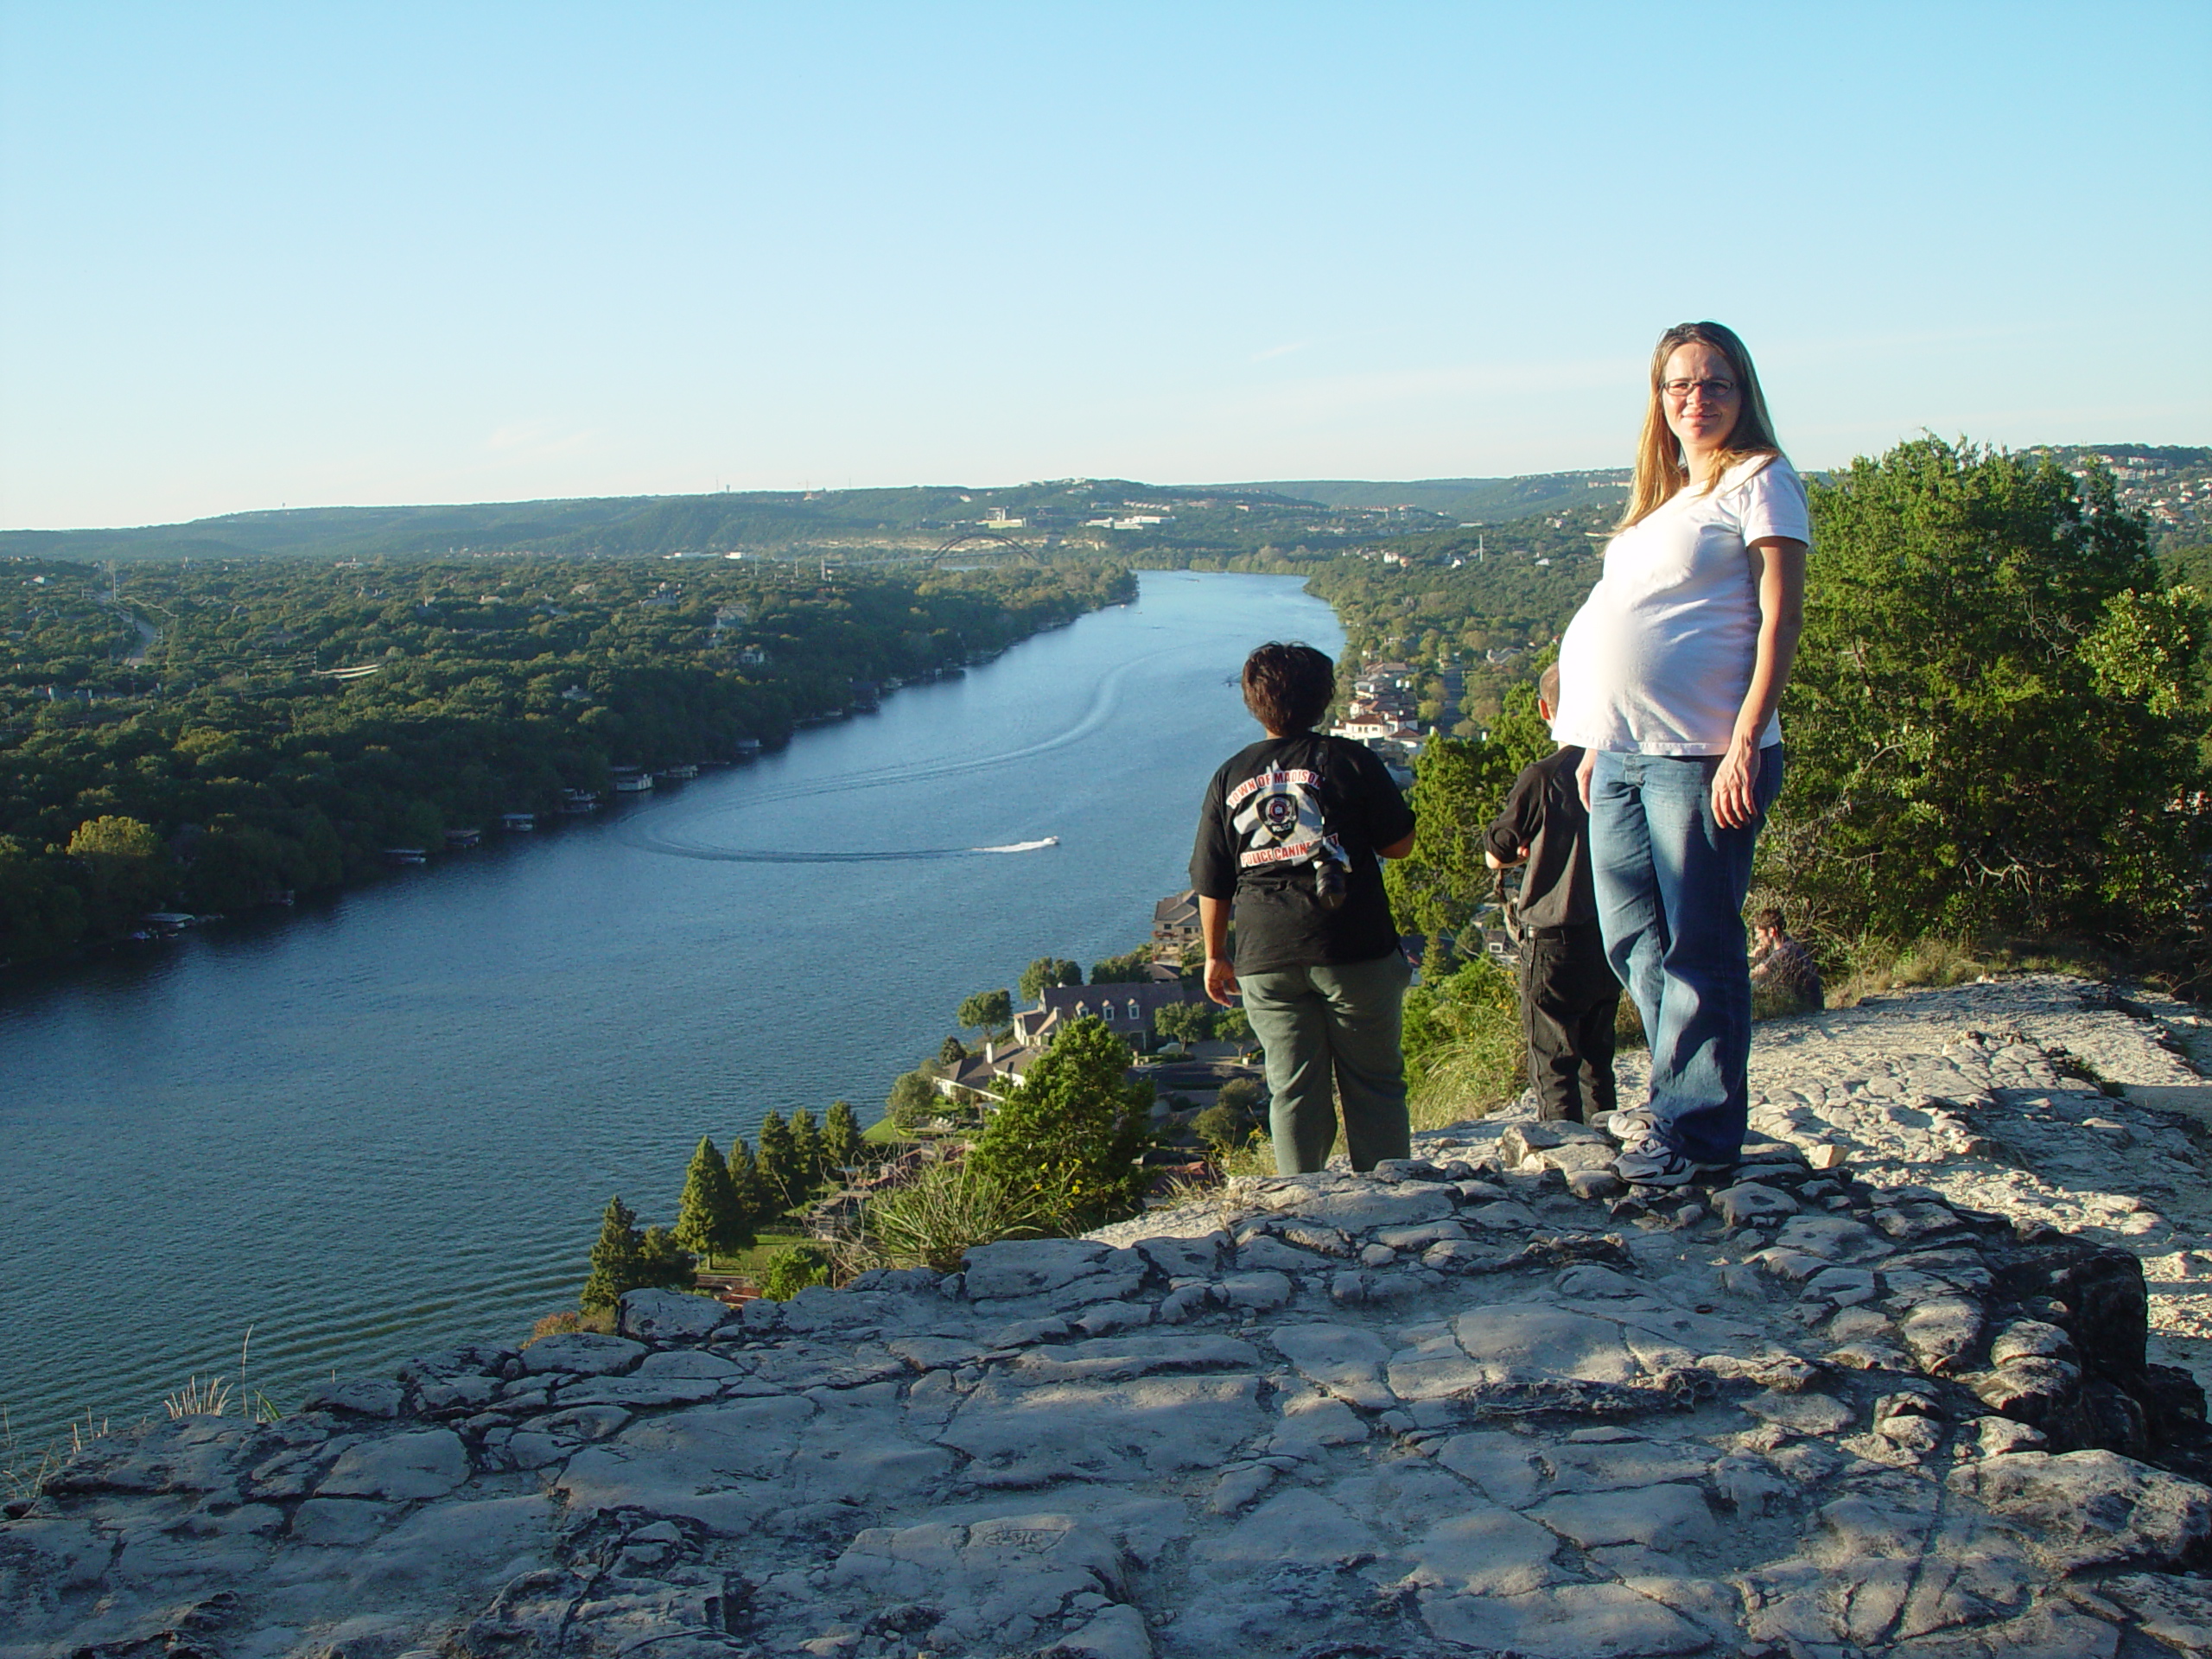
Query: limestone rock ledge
[1476, 1403]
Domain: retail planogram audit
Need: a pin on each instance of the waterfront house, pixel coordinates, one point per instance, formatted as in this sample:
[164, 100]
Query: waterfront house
[1127, 1009]
[987, 1070]
[1175, 925]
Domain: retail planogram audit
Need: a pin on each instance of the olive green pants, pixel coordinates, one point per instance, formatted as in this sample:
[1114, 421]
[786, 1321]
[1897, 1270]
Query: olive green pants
[1331, 1033]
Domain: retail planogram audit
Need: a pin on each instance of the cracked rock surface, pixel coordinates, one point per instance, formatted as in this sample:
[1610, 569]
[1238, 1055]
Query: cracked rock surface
[1915, 1380]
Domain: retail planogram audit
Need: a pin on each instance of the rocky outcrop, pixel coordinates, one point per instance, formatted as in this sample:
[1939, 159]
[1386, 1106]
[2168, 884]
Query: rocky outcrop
[1480, 1402]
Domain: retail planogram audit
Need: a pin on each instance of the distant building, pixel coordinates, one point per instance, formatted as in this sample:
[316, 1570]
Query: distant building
[1126, 1008]
[988, 1070]
[1175, 924]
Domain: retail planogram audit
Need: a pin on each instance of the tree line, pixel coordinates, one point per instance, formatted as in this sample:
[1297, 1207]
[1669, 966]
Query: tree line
[727, 1201]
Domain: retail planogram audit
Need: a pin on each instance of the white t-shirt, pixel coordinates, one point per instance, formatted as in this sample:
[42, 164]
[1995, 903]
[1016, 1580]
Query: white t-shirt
[1659, 657]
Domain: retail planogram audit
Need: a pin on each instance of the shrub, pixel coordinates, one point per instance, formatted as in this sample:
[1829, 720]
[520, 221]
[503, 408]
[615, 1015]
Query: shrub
[1995, 713]
[1220, 1126]
[946, 1211]
[1465, 1052]
[1071, 1132]
[1243, 1095]
[793, 1270]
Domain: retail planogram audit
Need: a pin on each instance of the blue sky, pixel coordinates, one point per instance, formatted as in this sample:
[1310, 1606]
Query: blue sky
[328, 254]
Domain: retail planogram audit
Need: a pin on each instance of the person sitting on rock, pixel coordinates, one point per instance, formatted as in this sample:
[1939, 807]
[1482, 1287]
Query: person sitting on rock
[1782, 966]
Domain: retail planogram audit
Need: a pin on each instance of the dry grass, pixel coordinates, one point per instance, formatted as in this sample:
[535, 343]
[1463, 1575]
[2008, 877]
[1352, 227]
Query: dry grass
[1875, 966]
[1254, 1155]
[599, 1319]
[1468, 1079]
[211, 1397]
[23, 1478]
[198, 1398]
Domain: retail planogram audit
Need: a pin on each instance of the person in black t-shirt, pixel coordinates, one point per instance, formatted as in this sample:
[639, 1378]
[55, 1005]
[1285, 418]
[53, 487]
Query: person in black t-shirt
[1288, 839]
[1568, 994]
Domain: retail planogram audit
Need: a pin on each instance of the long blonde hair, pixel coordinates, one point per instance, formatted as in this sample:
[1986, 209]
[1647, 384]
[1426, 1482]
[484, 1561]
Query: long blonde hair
[1660, 470]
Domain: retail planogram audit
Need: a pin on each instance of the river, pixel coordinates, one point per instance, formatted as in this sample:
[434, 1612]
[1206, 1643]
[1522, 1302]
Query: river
[388, 1121]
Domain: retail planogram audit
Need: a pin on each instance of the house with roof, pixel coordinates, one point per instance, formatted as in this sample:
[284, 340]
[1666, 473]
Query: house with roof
[988, 1070]
[1127, 1009]
[1175, 925]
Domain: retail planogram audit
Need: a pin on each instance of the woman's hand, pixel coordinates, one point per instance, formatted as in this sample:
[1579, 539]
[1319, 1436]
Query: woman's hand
[1777, 567]
[1735, 785]
[1221, 981]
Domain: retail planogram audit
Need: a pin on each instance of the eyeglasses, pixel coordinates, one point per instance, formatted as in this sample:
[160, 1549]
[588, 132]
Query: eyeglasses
[1712, 391]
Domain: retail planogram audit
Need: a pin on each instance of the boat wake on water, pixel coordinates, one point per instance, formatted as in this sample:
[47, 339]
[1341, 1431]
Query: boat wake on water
[1096, 716]
[686, 833]
[675, 848]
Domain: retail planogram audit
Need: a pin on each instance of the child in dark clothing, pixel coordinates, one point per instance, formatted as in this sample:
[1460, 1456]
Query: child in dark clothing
[1568, 994]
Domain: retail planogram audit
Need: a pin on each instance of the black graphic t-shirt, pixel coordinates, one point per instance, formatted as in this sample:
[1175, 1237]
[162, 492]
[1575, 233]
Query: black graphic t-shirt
[1270, 812]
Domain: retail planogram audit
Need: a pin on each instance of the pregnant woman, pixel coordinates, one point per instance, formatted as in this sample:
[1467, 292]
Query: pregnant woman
[1670, 677]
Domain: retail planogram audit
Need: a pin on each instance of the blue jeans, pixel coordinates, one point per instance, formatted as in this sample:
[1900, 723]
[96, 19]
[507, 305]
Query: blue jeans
[1671, 884]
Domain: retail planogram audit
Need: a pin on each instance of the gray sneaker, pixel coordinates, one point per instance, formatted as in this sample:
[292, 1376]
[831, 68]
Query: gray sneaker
[1659, 1167]
[1624, 1124]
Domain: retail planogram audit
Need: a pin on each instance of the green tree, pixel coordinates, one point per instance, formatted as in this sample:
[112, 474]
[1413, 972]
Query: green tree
[1233, 1026]
[985, 1011]
[806, 1150]
[1072, 1129]
[778, 1164]
[1437, 888]
[841, 1135]
[663, 1264]
[1135, 967]
[615, 1259]
[748, 1192]
[913, 1101]
[126, 865]
[707, 1217]
[1994, 719]
[41, 911]
[1046, 972]
[950, 1052]
[1183, 1022]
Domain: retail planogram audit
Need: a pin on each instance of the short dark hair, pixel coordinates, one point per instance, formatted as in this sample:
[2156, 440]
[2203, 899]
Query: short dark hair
[1288, 688]
[1768, 918]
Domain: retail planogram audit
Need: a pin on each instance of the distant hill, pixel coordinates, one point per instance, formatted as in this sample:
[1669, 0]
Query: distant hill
[1116, 514]
[1474, 499]
[2171, 484]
